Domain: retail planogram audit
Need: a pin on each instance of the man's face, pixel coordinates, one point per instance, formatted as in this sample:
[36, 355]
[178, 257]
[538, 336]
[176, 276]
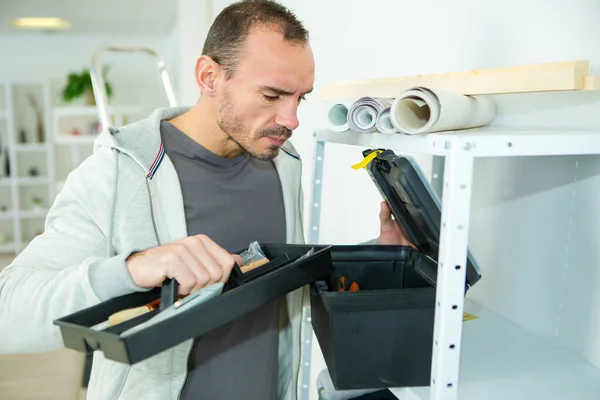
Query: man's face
[258, 105]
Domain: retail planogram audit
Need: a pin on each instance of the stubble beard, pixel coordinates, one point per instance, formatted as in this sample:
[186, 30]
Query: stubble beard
[231, 124]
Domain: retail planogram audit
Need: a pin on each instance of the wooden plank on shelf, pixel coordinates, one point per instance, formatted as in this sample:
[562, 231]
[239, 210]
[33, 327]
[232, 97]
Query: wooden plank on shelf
[592, 83]
[556, 76]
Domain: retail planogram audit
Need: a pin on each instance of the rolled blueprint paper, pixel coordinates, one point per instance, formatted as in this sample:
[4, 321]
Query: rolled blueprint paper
[338, 115]
[384, 123]
[362, 115]
[422, 110]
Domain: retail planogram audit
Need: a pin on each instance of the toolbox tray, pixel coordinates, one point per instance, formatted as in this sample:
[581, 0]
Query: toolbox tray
[290, 267]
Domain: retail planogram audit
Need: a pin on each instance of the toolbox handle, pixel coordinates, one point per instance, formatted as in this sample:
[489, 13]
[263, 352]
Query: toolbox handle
[168, 293]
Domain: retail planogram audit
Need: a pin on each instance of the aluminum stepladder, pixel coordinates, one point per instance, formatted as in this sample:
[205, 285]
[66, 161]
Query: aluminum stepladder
[101, 97]
[99, 85]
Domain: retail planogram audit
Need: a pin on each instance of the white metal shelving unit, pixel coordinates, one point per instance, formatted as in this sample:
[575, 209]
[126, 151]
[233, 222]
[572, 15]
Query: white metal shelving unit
[495, 358]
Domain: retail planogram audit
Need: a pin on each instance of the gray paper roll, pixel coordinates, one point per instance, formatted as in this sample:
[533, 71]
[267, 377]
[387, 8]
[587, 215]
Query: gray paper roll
[384, 123]
[362, 115]
[337, 115]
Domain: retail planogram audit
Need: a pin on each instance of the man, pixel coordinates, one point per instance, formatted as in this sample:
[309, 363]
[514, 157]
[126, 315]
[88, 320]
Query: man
[173, 196]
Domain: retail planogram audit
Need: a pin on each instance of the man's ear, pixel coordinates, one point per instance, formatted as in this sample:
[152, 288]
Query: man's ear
[207, 73]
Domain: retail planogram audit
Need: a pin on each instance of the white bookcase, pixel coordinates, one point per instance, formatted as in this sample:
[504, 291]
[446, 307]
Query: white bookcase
[75, 130]
[33, 167]
[26, 162]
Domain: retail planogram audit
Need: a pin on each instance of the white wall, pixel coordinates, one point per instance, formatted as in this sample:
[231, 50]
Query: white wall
[134, 78]
[194, 19]
[535, 222]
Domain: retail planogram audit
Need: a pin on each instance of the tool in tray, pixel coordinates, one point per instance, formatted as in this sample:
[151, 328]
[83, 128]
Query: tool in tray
[252, 260]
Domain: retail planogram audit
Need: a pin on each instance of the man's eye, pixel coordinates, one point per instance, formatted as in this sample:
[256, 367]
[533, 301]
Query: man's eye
[270, 98]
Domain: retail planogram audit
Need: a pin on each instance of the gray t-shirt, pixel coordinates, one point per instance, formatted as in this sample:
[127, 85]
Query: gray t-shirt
[234, 202]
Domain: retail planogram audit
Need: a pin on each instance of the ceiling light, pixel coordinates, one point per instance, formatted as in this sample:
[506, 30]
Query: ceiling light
[40, 23]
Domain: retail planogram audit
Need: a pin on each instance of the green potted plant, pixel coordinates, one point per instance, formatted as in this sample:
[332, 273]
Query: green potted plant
[80, 84]
[36, 203]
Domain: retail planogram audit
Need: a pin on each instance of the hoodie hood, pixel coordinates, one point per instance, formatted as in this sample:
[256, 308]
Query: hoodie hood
[141, 139]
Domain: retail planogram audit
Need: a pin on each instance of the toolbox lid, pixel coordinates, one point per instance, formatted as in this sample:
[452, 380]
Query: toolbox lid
[415, 207]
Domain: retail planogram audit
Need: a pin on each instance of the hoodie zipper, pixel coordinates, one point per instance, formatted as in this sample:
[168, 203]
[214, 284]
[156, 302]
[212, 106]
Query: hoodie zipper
[152, 212]
[154, 226]
[122, 151]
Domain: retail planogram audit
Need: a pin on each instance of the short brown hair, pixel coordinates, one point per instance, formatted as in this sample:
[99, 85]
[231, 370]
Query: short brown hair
[231, 27]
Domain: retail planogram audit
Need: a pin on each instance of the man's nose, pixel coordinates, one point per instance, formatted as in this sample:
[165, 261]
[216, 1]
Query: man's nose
[288, 117]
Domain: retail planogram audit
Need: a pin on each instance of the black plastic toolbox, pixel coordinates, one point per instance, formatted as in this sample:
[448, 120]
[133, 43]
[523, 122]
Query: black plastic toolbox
[290, 267]
[381, 335]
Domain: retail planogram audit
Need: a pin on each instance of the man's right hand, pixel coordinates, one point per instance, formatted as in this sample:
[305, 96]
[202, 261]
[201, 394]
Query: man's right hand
[194, 262]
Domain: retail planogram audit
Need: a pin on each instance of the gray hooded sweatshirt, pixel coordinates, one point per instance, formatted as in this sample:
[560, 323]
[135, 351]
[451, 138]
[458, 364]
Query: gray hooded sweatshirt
[124, 198]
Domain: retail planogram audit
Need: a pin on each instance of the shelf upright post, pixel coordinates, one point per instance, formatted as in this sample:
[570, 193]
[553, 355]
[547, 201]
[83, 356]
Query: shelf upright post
[437, 175]
[317, 189]
[450, 288]
[313, 238]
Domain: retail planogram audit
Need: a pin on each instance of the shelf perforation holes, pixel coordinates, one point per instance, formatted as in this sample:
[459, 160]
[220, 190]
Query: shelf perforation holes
[451, 346]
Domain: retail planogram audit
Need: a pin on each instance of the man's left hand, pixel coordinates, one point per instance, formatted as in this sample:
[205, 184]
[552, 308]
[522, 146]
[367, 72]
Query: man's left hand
[390, 232]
